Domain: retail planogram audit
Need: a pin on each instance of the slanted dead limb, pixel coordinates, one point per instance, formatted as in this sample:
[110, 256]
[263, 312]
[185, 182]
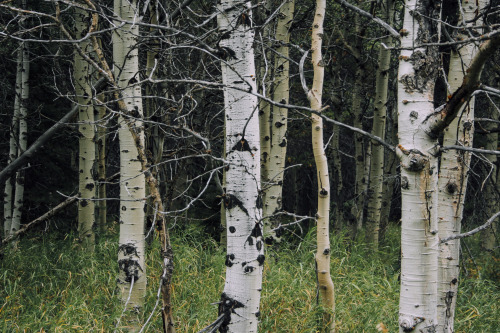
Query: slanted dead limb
[166, 247]
[52, 212]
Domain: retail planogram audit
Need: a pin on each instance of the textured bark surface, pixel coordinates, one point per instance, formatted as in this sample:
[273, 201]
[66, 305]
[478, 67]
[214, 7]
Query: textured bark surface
[131, 253]
[276, 163]
[453, 178]
[243, 204]
[418, 69]
[13, 138]
[375, 191]
[326, 288]
[87, 151]
[22, 143]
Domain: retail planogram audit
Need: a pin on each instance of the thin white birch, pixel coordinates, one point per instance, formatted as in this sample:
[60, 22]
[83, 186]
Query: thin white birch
[375, 191]
[325, 283]
[13, 135]
[131, 253]
[22, 140]
[87, 151]
[273, 202]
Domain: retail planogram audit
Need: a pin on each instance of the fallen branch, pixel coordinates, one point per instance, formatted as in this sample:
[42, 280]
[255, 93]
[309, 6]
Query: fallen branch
[23, 159]
[47, 215]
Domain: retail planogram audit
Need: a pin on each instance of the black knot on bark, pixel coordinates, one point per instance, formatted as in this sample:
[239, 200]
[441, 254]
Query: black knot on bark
[131, 269]
[226, 308]
[451, 187]
[242, 145]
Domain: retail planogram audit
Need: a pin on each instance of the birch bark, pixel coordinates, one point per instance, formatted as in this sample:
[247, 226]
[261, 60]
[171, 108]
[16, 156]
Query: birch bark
[245, 249]
[22, 139]
[453, 175]
[13, 138]
[418, 68]
[131, 255]
[273, 202]
[87, 151]
[375, 191]
[326, 288]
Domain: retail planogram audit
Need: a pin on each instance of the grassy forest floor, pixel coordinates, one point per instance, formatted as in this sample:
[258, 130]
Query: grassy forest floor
[49, 285]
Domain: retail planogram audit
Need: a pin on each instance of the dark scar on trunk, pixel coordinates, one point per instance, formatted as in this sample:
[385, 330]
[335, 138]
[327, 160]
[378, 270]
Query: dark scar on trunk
[230, 201]
[242, 145]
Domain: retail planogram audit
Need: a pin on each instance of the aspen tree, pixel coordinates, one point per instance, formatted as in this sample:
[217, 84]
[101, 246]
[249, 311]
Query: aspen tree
[22, 138]
[87, 152]
[418, 69]
[277, 154]
[245, 250]
[453, 174]
[326, 288]
[375, 191]
[131, 252]
[13, 138]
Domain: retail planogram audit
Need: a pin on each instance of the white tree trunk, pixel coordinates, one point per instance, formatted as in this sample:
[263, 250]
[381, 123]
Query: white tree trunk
[245, 249]
[132, 268]
[326, 288]
[23, 140]
[13, 138]
[453, 178]
[87, 152]
[375, 191]
[276, 164]
[418, 69]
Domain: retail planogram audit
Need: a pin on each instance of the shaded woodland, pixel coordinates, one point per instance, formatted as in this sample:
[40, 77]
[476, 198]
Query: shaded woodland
[195, 166]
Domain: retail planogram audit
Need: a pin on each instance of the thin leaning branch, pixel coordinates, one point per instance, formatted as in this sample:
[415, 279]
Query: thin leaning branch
[380, 22]
[473, 150]
[24, 158]
[473, 231]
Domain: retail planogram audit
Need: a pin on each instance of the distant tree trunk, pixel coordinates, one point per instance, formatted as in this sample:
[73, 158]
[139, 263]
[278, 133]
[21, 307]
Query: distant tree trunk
[360, 149]
[276, 161]
[337, 192]
[13, 138]
[453, 174]
[245, 250]
[265, 117]
[326, 288]
[22, 138]
[492, 187]
[131, 255]
[418, 69]
[101, 166]
[87, 152]
[375, 191]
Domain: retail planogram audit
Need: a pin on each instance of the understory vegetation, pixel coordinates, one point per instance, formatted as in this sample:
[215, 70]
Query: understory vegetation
[50, 285]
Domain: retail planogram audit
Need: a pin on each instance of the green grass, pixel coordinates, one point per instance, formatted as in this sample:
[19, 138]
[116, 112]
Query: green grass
[50, 285]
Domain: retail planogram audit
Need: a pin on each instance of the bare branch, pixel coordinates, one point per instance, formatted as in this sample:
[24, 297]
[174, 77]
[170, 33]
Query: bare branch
[380, 22]
[473, 231]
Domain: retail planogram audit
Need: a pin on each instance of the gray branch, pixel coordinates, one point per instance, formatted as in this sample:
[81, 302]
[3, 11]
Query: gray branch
[380, 22]
[473, 231]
